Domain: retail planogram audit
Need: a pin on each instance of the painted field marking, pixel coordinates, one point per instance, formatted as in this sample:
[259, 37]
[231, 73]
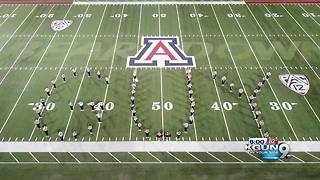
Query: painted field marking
[83, 75]
[182, 46]
[134, 157]
[294, 44]
[34, 157]
[214, 157]
[94, 157]
[276, 51]
[177, 163]
[138, 40]
[310, 16]
[51, 89]
[211, 71]
[161, 82]
[25, 47]
[255, 157]
[158, 2]
[23, 90]
[98, 30]
[300, 26]
[233, 61]
[112, 61]
[194, 157]
[313, 156]
[17, 161]
[134, 36]
[74, 157]
[155, 157]
[175, 157]
[114, 157]
[234, 157]
[54, 157]
[257, 60]
[9, 15]
[298, 158]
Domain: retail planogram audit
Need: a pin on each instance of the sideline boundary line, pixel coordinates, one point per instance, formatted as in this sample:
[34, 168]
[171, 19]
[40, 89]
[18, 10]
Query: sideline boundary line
[145, 146]
[184, 163]
[159, 3]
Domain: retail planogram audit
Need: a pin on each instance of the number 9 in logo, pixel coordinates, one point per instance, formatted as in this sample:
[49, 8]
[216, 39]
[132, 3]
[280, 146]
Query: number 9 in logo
[284, 150]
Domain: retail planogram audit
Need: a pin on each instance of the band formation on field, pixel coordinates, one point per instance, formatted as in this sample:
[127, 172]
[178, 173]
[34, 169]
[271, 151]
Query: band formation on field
[151, 77]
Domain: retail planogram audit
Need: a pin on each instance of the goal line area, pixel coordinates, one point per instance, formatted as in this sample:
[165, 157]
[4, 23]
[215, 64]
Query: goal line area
[146, 146]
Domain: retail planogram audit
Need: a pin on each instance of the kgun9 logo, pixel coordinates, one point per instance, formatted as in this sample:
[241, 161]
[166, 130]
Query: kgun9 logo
[269, 148]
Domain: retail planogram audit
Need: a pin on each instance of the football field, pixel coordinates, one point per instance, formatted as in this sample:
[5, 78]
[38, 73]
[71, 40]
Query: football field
[239, 41]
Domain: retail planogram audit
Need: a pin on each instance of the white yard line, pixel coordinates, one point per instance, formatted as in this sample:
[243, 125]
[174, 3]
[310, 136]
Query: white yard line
[138, 40]
[13, 108]
[175, 157]
[134, 157]
[194, 157]
[161, 98]
[301, 27]
[214, 157]
[157, 2]
[234, 157]
[111, 66]
[276, 51]
[161, 82]
[14, 157]
[233, 61]
[83, 75]
[64, 60]
[155, 157]
[257, 60]
[215, 84]
[54, 157]
[74, 157]
[34, 157]
[96, 36]
[255, 157]
[10, 15]
[313, 156]
[179, 24]
[298, 158]
[310, 16]
[180, 33]
[24, 48]
[94, 157]
[14, 34]
[114, 157]
[305, 59]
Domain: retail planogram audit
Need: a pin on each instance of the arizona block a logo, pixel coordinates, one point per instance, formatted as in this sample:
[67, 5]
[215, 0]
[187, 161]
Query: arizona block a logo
[160, 52]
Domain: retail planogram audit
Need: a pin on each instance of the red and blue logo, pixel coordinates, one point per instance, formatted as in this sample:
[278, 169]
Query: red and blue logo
[159, 52]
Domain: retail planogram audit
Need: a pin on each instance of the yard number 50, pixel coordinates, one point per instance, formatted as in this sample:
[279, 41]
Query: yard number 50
[156, 106]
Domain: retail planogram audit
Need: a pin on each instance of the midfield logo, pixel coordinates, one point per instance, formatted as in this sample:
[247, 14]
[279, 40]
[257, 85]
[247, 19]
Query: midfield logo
[160, 52]
[296, 82]
[60, 25]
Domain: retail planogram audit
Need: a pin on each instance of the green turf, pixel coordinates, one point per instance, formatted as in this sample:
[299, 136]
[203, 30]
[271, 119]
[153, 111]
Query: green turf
[209, 123]
[117, 38]
[160, 171]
